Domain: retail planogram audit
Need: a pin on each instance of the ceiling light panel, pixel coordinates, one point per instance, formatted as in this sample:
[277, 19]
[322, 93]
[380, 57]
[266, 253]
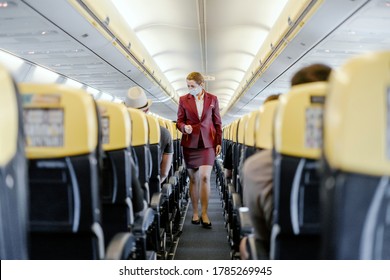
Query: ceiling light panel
[170, 31]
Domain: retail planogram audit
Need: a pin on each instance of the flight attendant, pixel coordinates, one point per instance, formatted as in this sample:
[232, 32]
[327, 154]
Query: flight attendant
[199, 120]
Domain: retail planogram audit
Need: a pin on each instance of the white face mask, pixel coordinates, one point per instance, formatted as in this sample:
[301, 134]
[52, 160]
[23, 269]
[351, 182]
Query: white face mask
[196, 91]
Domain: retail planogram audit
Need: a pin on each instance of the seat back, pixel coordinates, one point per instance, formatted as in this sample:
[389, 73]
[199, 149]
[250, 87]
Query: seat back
[249, 147]
[225, 138]
[298, 139]
[62, 145]
[154, 146]
[263, 142]
[118, 214]
[139, 142]
[176, 145]
[265, 125]
[13, 173]
[240, 149]
[235, 152]
[355, 186]
[250, 132]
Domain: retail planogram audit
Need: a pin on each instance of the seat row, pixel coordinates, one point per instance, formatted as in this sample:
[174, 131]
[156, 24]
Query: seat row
[330, 166]
[80, 178]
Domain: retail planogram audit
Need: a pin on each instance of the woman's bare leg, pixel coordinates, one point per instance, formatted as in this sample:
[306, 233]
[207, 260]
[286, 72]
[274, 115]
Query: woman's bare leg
[204, 178]
[194, 192]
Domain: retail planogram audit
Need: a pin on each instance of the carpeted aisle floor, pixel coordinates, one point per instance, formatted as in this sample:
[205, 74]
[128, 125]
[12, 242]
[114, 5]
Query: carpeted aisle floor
[198, 243]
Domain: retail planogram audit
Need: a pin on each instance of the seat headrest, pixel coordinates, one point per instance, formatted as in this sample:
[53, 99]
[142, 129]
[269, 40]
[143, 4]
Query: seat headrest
[175, 134]
[233, 131]
[179, 134]
[225, 132]
[241, 129]
[228, 129]
[154, 130]
[59, 121]
[171, 128]
[250, 132]
[116, 125]
[265, 125]
[357, 116]
[139, 127]
[298, 121]
[162, 122]
[9, 120]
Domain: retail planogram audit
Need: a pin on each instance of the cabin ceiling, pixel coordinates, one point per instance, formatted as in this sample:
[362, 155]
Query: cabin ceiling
[219, 38]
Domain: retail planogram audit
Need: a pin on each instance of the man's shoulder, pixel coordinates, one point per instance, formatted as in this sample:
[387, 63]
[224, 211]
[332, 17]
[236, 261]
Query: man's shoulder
[257, 161]
[163, 129]
[165, 132]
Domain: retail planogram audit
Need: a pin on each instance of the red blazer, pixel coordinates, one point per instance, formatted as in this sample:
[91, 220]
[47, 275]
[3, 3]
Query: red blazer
[210, 124]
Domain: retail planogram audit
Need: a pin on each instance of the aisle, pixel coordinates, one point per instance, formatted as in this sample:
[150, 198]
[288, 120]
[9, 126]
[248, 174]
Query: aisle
[198, 243]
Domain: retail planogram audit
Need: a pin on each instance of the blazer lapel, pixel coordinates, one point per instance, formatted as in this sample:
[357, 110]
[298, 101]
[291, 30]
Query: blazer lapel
[192, 105]
[206, 104]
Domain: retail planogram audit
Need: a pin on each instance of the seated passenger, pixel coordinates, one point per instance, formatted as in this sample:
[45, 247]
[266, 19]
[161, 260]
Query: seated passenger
[258, 173]
[136, 98]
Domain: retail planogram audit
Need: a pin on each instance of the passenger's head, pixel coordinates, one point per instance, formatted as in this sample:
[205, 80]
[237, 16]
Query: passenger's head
[311, 73]
[272, 97]
[136, 98]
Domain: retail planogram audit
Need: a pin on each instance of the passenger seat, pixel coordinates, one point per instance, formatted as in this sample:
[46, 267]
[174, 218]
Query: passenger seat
[355, 185]
[64, 150]
[13, 173]
[297, 145]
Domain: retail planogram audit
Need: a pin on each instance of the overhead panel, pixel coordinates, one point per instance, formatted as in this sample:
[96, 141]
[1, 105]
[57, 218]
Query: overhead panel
[218, 38]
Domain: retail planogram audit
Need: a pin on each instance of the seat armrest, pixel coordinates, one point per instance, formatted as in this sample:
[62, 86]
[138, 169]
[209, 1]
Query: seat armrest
[166, 190]
[231, 189]
[236, 201]
[172, 180]
[177, 174]
[157, 200]
[143, 221]
[121, 247]
[245, 221]
[257, 249]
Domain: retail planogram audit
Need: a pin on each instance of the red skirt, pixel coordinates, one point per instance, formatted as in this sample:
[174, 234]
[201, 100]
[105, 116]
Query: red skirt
[198, 156]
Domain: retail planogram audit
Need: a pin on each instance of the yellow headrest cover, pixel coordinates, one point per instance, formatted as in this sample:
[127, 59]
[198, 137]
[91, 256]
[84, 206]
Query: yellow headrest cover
[168, 126]
[250, 133]
[174, 131]
[228, 131]
[154, 130]
[179, 134]
[233, 132]
[8, 118]
[241, 129]
[357, 119]
[59, 121]
[116, 125]
[162, 122]
[265, 125]
[139, 127]
[225, 132]
[298, 121]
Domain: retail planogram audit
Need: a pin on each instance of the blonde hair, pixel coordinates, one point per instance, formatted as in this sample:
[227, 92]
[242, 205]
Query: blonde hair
[197, 77]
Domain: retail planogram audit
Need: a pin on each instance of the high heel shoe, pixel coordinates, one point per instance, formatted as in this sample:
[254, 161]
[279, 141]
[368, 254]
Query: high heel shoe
[195, 222]
[204, 224]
